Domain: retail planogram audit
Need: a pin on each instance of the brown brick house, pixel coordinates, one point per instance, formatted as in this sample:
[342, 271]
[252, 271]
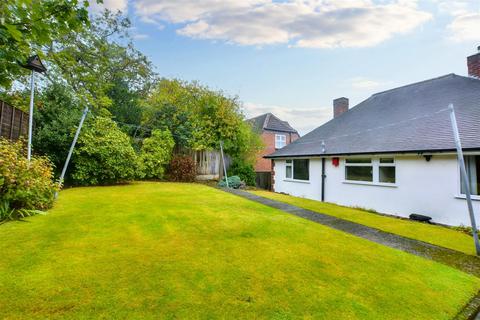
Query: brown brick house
[276, 134]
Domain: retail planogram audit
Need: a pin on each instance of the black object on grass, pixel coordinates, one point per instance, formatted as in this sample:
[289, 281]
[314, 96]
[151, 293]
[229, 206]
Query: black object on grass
[420, 217]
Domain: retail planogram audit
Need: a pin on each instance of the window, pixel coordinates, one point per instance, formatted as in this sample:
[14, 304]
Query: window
[298, 169]
[360, 169]
[472, 166]
[280, 141]
[376, 170]
[386, 170]
[289, 169]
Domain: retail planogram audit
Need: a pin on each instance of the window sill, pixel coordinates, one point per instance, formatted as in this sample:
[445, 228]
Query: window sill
[462, 196]
[376, 184]
[296, 180]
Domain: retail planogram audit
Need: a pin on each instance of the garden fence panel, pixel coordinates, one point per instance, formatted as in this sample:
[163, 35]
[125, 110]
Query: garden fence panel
[13, 122]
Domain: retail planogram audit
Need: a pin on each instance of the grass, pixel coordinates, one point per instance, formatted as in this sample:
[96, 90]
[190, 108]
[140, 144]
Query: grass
[164, 250]
[434, 234]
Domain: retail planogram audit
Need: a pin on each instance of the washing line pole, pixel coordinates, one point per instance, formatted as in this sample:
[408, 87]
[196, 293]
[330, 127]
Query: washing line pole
[466, 184]
[223, 162]
[30, 116]
[74, 142]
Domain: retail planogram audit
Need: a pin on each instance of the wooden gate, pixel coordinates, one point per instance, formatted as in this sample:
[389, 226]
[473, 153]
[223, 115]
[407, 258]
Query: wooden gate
[263, 180]
[13, 122]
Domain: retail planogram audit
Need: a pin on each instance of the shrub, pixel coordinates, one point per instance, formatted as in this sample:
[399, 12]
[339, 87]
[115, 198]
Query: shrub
[56, 118]
[104, 155]
[182, 168]
[233, 182]
[156, 153]
[23, 184]
[244, 170]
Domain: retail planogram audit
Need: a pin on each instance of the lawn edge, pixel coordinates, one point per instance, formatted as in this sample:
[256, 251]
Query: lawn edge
[471, 310]
[380, 214]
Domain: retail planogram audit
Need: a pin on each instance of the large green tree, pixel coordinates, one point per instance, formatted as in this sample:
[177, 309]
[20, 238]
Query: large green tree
[28, 26]
[199, 118]
[101, 63]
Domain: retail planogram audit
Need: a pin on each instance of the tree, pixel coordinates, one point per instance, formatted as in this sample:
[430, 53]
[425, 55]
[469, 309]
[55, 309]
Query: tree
[156, 153]
[57, 114]
[101, 63]
[199, 118]
[104, 155]
[27, 27]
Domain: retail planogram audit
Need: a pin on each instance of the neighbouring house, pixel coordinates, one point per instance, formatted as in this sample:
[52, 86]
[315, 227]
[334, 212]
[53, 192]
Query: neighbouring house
[13, 122]
[275, 134]
[393, 152]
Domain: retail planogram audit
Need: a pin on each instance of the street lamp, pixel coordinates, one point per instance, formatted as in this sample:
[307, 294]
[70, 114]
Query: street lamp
[35, 64]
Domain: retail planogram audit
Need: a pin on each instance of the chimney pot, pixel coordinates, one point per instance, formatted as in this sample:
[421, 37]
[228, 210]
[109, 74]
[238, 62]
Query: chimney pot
[473, 63]
[340, 105]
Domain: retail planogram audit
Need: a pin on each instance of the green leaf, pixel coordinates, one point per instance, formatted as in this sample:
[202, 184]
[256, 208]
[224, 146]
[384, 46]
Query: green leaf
[14, 32]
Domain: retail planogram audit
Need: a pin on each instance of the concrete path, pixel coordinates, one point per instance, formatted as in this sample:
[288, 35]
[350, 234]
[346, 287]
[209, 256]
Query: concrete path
[467, 263]
[458, 260]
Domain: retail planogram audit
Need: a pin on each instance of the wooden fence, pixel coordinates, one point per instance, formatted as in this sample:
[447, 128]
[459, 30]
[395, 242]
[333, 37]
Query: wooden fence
[263, 180]
[13, 122]
[208, 163]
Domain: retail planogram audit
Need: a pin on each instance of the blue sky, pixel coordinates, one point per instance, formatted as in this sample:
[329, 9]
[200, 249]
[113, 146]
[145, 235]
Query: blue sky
[293, 58]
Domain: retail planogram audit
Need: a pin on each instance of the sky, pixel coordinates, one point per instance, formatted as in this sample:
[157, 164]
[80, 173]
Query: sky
[292, 58]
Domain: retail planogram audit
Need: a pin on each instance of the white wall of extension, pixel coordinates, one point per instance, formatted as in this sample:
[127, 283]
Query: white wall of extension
[431, 188]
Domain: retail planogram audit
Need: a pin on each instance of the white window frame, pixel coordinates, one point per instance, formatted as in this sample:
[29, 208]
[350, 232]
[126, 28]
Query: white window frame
[375, 163]
[291, 164]
[461, 195]
[280, 141]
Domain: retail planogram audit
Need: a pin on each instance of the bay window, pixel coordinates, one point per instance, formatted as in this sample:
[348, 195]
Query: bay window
[472, 166]
[297, 169]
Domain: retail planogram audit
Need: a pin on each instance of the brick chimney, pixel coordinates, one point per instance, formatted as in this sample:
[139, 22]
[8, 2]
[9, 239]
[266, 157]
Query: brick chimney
[473, 63]
[340, 106]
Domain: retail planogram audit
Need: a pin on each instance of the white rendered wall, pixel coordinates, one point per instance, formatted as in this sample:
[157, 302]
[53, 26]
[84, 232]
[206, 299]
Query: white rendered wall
[429, 188]
[304, 189]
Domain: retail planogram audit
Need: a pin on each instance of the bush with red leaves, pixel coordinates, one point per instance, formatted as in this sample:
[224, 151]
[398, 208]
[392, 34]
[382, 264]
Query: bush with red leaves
[182, 169]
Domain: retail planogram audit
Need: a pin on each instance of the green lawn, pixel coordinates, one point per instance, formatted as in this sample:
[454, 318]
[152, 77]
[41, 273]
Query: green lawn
[164, 250]
[438, 235]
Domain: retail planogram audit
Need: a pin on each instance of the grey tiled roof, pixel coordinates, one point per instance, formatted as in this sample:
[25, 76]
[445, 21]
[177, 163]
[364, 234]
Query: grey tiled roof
[270, 122]
[405, 119]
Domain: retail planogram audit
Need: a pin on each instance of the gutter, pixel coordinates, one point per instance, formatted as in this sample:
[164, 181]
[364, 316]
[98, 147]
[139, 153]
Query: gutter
[419, 152]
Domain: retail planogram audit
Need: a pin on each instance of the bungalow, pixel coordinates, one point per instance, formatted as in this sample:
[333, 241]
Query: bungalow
[393, 152]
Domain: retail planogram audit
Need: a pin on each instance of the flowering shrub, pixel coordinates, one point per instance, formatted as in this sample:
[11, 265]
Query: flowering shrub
[182, 168]
[23, 184]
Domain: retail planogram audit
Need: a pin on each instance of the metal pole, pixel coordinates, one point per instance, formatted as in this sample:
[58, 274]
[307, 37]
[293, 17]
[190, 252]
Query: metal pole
[30, 117]
[224, 166]
[74, 142]
[466, 185]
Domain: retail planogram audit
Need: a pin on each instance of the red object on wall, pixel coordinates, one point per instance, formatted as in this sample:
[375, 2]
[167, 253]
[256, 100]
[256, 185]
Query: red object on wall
[335, 162]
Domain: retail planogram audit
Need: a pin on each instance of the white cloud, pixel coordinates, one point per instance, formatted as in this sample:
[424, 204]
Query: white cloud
[465, 24]
[364, 83]
[465, 27]
[140, 36]
[303, 120]
[302, 23]
[113, 5]
[455, 8]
